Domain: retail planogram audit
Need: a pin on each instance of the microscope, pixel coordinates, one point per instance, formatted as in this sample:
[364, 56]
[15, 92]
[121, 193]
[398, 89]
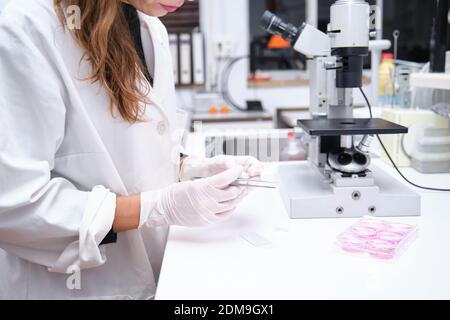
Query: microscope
[339, 179]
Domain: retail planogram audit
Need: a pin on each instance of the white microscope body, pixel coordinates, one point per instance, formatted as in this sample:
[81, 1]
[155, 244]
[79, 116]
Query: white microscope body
[337, 181]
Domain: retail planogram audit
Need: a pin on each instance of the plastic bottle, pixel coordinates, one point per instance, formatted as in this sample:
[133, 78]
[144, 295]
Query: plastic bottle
[386, 74]
[293, 150]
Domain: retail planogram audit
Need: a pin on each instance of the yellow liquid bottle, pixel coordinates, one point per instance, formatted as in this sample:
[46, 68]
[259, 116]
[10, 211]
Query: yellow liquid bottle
[386, 74]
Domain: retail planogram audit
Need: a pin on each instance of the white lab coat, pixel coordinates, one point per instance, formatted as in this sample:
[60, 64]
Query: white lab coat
[63, 159]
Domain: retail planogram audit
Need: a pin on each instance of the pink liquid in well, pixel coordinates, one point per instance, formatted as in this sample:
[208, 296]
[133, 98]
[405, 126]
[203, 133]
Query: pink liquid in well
[364, 232]
[352, 244]
[392, 237]
[381, 249]
[375, 224]
[400, 228]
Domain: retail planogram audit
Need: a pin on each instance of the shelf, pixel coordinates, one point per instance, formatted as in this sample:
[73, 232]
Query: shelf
[431, 80]
[276, 83]
[267, 84]
[232, 117]
[190, 86]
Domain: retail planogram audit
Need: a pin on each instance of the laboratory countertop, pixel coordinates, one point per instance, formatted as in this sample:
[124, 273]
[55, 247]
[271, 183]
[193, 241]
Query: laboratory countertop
[299, 260]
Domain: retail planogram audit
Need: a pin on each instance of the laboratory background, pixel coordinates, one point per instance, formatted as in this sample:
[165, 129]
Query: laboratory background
[347, 105]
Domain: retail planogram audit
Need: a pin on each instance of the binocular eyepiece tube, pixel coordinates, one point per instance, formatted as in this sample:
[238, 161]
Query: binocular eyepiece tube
[275, 25]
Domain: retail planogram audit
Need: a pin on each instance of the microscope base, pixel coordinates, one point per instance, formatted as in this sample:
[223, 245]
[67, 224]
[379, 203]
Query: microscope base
[307, 195]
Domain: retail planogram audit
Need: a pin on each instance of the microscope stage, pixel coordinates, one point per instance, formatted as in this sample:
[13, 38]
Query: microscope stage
[349, 127]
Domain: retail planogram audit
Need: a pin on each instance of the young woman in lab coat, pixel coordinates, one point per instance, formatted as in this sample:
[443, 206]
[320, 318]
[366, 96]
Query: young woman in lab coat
[90, 165]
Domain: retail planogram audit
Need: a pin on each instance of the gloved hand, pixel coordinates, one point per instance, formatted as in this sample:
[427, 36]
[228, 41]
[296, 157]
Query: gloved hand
[194, 203]
[194, 167]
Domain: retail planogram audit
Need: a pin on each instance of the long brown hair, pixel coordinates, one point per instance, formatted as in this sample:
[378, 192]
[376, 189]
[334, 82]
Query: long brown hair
[106, 38]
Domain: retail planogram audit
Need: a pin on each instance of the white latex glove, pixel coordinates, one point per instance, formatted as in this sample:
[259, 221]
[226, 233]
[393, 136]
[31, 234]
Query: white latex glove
[194, 167]
[194, 203]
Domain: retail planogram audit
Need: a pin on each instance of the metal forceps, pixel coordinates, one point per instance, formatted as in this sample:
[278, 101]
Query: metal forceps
[252, 183]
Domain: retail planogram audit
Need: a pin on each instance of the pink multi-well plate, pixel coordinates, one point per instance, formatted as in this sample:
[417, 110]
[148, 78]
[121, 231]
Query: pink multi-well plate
[377, 238]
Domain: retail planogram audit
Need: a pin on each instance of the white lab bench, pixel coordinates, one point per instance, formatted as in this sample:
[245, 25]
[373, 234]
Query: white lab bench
[300, 261]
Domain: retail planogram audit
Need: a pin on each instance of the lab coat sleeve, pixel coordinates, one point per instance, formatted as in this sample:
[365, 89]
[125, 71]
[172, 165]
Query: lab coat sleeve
[43, 219]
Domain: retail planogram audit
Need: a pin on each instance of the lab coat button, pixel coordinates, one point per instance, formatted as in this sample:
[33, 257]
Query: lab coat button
[161, 128]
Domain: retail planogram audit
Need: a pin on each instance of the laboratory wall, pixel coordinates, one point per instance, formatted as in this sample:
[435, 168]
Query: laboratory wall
[229, 21]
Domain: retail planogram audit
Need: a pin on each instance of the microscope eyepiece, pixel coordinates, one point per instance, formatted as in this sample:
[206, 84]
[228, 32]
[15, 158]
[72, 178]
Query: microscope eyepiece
[267, 20]
[275, 25]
